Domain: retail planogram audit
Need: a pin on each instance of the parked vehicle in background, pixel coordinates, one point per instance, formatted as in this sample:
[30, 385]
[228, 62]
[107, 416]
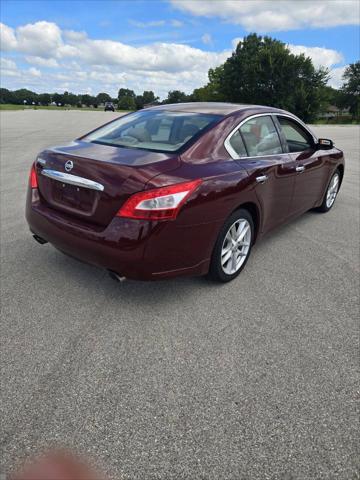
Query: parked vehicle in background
[182, 189]
[109, 106]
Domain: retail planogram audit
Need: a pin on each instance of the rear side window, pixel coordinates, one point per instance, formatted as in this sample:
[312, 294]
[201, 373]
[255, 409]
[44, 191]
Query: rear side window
[237, 144]
[297, 138]
[261, 137]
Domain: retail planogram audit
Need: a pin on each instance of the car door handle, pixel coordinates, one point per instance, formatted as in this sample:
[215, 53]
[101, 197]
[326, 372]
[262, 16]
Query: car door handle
[261, 178]
[300, 168]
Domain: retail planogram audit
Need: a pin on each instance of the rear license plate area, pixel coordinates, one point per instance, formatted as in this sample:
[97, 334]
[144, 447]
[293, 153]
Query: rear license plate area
[73, 197]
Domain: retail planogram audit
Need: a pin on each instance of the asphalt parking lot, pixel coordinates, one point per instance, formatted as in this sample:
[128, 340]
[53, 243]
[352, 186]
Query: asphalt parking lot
[181, 379]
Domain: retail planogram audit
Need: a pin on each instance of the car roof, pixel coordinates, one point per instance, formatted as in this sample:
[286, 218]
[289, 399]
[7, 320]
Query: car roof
[216, 108]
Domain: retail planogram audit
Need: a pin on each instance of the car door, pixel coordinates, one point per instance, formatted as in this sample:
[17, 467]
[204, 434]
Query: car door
[256, 146]
[309, 164]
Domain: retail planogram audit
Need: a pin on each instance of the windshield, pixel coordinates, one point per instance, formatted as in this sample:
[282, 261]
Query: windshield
[153, 130]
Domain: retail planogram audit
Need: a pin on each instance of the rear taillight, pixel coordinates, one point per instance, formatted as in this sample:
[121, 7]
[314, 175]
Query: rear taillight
[159, 204]
[33, 177]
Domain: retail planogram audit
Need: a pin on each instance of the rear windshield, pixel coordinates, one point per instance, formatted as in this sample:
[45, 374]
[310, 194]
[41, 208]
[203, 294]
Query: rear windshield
[160, 130]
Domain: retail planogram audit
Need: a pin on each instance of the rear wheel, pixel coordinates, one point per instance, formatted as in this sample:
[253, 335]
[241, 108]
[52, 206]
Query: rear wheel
[233, 246]
[331, 193]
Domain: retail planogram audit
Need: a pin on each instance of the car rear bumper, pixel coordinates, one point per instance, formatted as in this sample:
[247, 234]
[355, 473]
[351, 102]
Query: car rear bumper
[135, 249]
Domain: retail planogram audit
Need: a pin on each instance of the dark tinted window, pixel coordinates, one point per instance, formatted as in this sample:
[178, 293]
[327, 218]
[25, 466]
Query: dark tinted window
[296, 137]
[260, 137]
[237, 144]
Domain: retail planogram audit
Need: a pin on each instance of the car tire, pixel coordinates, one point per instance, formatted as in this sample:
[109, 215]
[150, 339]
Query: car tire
[233, 246]
[331, 193]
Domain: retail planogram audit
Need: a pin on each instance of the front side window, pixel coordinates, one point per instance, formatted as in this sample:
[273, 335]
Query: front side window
[297, 138]
[260, 137]
[157, 130]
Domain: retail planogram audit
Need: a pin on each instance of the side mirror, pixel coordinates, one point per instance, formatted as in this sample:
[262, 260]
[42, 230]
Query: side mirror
[324, 144]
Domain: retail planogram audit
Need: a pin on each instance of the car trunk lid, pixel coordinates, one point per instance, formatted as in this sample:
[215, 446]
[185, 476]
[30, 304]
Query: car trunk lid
[91, 181]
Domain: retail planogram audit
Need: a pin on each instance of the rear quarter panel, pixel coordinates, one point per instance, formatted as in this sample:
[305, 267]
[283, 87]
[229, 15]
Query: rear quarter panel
[191, 237]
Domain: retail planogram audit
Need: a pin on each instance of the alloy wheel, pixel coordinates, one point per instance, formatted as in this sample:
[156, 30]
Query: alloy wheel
[236, 246]
[332, 190]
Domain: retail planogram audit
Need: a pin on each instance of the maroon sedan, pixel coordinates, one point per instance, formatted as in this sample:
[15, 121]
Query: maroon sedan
[181, 189]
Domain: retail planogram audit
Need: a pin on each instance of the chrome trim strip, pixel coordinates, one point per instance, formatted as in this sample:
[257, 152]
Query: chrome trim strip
[235, 156]
[72, 179]
[41, 161]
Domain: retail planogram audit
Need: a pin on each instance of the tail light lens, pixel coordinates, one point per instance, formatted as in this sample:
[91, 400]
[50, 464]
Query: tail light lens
[159, 204]
[33, 177]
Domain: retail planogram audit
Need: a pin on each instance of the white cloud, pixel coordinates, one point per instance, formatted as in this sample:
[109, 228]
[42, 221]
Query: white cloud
[42, 62]
[157, 66]
[67, 51]
[321, 57]
[169, 57]
[64, 77]
[8, 68]
[207, 39]
[336, 74]
[34, 72]
[8, 72]
[74, 36]
[83, 63]
[19, 78]
[46, 41]
[38, 39]
[7, 63]
[7, 38]
[266, 16]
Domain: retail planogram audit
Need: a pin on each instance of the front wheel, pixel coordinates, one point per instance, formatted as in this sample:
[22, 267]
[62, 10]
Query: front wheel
[232, 247]
[331, 193]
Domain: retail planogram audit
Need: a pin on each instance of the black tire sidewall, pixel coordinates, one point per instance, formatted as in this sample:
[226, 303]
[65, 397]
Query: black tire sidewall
[216, 272]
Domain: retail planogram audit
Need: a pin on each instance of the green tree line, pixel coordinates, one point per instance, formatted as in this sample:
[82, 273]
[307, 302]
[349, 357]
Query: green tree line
[261, 70]
[126, 100]
[27, 97]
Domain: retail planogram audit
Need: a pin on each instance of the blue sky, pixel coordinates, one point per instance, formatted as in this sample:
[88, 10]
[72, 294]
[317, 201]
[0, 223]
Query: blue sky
[97, 46]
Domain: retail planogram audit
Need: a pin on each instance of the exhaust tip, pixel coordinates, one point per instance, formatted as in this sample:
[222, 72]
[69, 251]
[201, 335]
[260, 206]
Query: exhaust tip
[115, 276]
[40, 240]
